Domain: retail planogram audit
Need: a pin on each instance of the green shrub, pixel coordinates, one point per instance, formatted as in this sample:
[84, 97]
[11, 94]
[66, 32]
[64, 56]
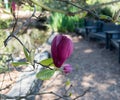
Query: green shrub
[62, 23]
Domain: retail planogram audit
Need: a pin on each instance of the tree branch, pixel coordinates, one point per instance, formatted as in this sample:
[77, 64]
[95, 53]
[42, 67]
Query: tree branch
[83, 9]
[104, 4]
[3, 96]
[14, 33]
[46, 7]
[21, 43]
[6, 87]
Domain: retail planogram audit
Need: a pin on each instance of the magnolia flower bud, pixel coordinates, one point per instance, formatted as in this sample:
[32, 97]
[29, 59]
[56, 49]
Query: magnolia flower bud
[13, 6]
[61, 49]
[67, 68]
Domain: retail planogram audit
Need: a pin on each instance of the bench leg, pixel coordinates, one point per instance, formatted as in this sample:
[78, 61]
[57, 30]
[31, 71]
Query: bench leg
[107, 41]
[108, 38]
[110, 45]
[119, 53]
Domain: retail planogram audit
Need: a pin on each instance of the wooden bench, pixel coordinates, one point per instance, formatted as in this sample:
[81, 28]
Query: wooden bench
[101, 34]
[116, 44]
[87, 23]
[113, 40]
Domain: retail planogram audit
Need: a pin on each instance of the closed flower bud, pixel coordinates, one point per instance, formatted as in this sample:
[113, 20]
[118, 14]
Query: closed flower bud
[13, 6]
[61, 49]
[67, 68]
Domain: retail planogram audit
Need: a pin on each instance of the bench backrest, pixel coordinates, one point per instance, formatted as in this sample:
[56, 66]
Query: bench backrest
[89, 22]
[109, 27]
[99, 25]
[118, 27]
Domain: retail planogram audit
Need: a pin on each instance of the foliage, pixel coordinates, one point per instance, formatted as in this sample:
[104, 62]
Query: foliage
[47, 62]
[26, 7]
[16, 64]
[4, 23]
[53, 4]
[106, 11]
[45, 74]
[62, 23]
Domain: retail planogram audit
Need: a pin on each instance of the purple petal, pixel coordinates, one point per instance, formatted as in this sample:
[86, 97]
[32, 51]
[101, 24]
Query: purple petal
[13, 6]
[67, 68]
[61, 49]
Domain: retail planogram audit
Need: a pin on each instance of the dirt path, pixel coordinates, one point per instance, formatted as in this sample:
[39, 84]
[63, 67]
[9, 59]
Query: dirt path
[95, 68]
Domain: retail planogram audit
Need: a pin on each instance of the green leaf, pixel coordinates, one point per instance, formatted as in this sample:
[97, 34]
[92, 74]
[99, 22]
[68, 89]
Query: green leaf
[45, 74]
[19, 63]
[47, 62]
[26, 54]
[105, 17]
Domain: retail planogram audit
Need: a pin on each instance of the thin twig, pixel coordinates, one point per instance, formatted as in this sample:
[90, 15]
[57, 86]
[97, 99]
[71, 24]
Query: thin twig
[3, 80]
[82, 94]
[51, 82]
[90, 8]
[3, 96]
[8, 86]
[43, 65]
[104, 4]
[21, 43]
[77, 6]
[68, 89]
[9, 75]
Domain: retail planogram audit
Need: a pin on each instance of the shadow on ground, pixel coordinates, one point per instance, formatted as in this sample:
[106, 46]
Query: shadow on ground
[95, 68]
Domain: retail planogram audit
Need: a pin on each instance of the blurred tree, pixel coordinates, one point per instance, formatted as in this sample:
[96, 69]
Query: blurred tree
[72, 7]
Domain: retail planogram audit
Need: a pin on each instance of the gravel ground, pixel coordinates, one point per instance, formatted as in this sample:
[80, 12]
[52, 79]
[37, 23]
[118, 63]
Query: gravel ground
[95, 76]
[7, 80]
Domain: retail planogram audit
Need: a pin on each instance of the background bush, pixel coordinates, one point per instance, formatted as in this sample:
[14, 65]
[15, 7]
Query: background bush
[62, 23]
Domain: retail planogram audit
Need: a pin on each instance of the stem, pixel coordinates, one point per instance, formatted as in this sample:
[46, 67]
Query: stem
[43, 65]
[21, 97]
[21, 43]
[82, 94]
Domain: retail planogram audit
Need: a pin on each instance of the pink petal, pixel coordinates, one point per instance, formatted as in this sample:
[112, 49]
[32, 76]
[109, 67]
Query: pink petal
[67, 68]
[13, 6]
[61, 49]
